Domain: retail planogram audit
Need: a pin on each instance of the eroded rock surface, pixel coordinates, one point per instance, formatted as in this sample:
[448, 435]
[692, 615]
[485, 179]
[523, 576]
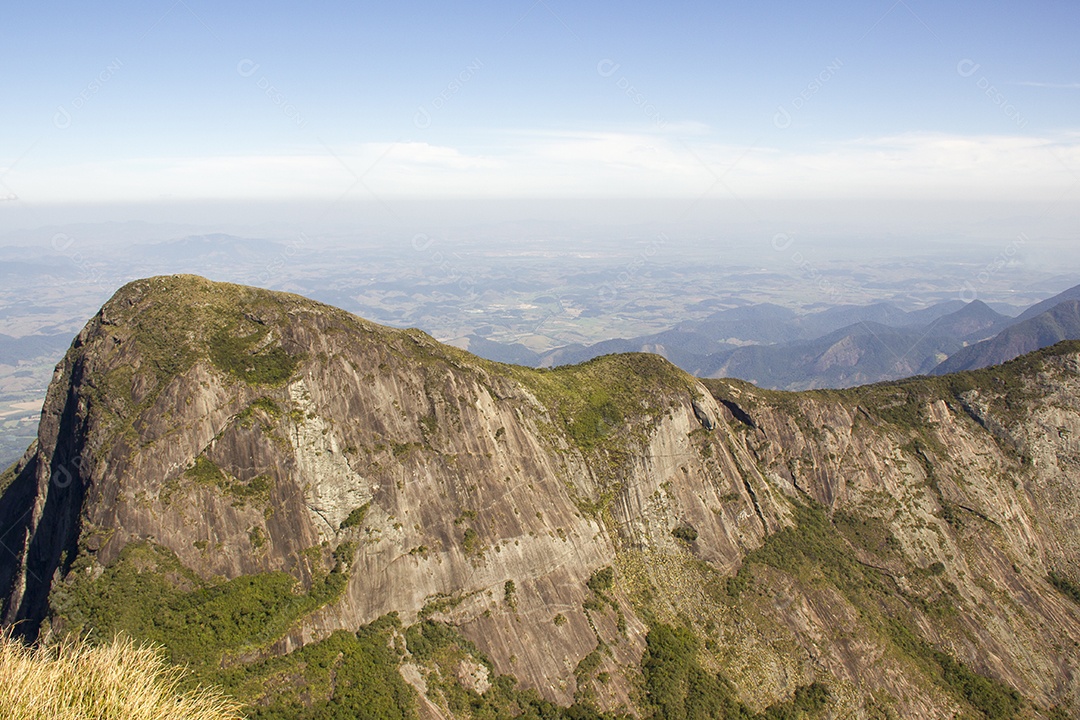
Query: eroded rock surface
[250, 432]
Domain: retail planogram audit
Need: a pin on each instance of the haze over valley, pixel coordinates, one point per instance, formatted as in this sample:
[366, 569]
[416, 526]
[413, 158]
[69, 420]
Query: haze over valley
[540, 361]
[529, 293]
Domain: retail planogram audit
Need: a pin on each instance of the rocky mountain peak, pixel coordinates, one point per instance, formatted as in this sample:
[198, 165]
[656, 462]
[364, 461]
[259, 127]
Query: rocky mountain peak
[252, 478]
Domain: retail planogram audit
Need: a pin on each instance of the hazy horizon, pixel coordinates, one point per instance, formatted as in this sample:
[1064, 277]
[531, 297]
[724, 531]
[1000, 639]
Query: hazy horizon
[884, 122]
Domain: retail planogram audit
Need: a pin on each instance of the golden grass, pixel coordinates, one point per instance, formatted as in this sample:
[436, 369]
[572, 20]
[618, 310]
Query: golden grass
[119, 681]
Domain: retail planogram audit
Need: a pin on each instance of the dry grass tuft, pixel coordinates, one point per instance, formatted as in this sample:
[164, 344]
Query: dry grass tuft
[119, 681]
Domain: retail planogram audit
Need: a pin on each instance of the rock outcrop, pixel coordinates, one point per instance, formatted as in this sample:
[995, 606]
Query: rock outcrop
[873, 540]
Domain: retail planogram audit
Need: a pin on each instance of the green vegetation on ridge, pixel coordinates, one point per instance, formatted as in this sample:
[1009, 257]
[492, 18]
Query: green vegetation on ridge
[347, 676]
[205, 472]
[177, 320]
[162, 327]
[148, 595]
[818, 547]
[679, 688]
[240, 356]
[1067, 587]
[598, 399]
[443, 648]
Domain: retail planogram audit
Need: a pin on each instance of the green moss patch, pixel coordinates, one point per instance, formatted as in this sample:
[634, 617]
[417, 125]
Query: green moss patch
[176, 321]
[440, 648]
[816, 548]
[685, 532]
[241, 357]
[266, 406]
[344, 677]
[470, 542]
[594, 401]
[148, 595]
[355, 517]
[205, 472]
[678, 688]
[1066, 586]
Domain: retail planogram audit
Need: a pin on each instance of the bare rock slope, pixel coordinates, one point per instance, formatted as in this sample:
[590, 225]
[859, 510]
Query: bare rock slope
[242, 475]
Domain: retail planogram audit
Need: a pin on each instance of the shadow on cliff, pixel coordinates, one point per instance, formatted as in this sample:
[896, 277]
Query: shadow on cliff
[49, 535]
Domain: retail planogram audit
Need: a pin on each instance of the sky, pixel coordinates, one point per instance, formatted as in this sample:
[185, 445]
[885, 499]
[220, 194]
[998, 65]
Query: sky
[189, 101]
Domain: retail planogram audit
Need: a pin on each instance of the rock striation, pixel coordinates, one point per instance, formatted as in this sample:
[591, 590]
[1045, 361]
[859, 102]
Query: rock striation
[911, 546]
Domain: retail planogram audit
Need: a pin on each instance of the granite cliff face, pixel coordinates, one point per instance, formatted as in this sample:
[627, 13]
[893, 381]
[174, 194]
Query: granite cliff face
[911, 547]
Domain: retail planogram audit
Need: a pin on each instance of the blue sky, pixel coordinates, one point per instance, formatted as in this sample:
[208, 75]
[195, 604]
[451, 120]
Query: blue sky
[189, 99]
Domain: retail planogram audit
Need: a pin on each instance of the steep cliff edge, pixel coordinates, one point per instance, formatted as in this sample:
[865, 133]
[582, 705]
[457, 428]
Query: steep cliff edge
[241, 475]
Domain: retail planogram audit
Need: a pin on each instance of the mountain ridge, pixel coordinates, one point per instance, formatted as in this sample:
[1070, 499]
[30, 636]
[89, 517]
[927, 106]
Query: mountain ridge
[775, 347]
[203, 442]
[1060, 322]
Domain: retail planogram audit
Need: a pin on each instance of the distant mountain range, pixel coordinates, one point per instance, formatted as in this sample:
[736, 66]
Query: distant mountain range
[1060, 322]
[843, 346]
[15, 350]
[198, 250]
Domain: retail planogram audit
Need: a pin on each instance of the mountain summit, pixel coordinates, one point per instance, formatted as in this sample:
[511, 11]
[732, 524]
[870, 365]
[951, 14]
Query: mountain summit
[331, 518]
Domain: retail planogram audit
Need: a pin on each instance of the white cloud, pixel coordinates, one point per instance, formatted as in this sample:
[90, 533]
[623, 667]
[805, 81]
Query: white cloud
[587, 164]
[1049, 85]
